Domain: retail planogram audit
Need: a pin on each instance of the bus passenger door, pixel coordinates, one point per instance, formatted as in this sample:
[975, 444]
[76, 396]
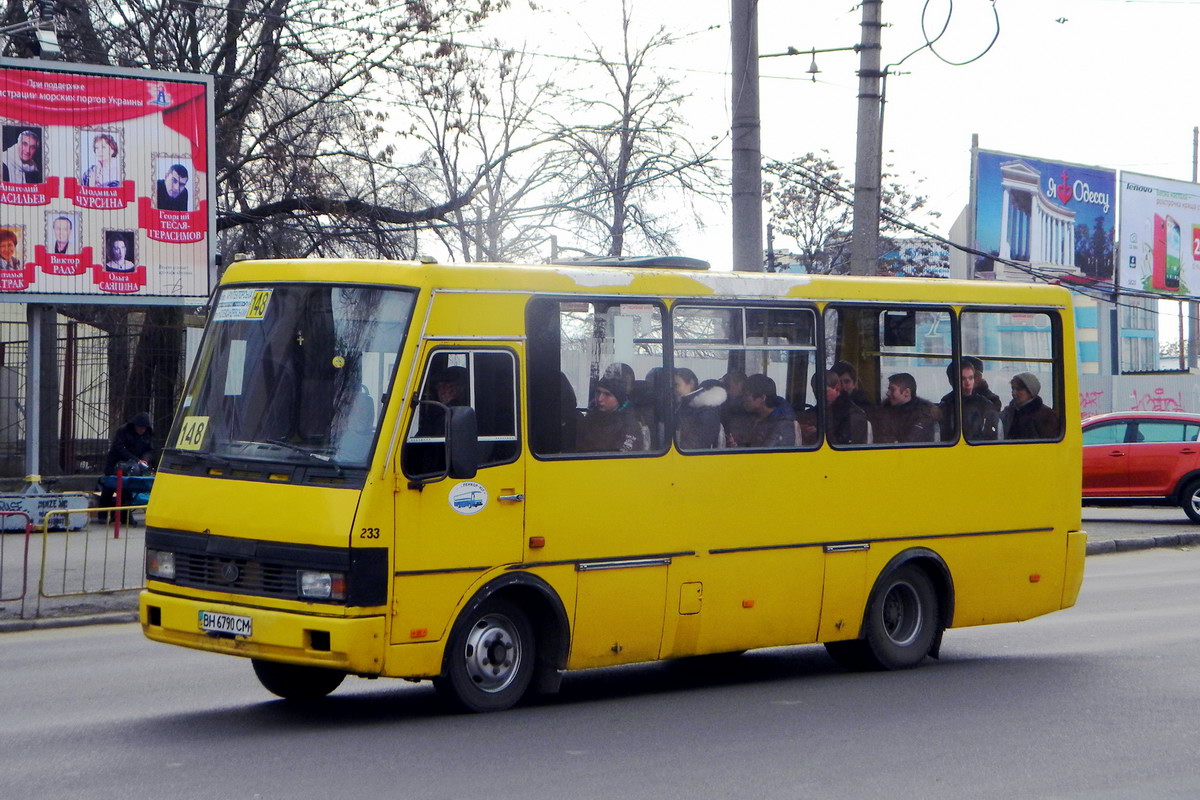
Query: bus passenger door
[448, 531]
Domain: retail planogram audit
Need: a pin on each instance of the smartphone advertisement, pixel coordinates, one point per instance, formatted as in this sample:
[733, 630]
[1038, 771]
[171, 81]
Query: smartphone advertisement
[106, 186]
[1159, 234]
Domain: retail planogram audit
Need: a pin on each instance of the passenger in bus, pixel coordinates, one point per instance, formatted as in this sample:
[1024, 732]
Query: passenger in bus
[698, 412]
[647, 398]
[621, 372]
[980, 418]
[1027, 417]
[610, 426]
[735, 419]
[774, 420]
[848, 382]
[981, 386]
[354, 427]
[807, 420]
[570, 417]
[451, 387]
[847, 419]
[905, 417]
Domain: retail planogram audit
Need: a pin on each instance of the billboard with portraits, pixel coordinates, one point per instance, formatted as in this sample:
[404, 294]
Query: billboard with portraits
[106, 185]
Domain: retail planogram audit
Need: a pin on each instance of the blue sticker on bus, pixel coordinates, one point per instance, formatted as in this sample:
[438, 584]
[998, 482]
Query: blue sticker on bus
[468, 497]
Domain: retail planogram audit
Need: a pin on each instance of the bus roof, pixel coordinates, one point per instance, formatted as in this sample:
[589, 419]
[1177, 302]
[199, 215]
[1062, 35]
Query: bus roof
[639, 281]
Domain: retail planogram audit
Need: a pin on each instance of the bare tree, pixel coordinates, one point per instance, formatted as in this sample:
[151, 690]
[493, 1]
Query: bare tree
[618, 162]
[482, 119]
[301, 121]
[809, 201]
[301, 114]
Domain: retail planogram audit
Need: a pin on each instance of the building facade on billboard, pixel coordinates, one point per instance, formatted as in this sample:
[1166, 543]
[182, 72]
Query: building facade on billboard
[106, 186]
[1160, 235]
[1058, 218]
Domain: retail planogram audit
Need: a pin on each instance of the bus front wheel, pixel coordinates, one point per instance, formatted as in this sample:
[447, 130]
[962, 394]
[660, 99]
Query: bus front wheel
[295, 682]
[489, 659]
[900, 626]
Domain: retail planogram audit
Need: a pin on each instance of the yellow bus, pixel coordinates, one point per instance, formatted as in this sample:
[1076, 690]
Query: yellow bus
[486, 475]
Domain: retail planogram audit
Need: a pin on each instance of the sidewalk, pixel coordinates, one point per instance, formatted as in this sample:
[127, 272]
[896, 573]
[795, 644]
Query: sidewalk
[1119, 529]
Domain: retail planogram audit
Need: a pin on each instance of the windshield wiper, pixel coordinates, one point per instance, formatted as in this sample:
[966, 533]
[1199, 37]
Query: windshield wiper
[296, 448]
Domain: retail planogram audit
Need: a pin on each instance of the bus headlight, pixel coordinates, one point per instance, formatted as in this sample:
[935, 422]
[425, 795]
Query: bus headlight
[160, 564]
[315, 585]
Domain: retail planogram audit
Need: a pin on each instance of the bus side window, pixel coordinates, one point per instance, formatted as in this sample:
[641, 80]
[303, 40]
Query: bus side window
[743, 377]
[594, 376]
[482, 379]
[890, 362]
[1021, 356]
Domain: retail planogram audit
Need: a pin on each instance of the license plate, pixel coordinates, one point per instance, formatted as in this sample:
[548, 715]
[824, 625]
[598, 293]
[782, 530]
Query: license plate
[228, 624]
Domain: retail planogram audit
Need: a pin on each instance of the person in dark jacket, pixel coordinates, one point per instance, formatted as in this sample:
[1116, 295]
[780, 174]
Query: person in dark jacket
[980, 418]
[846, 418]
[132, 449]
[734, 418]
[848, 383]
[1027, 417]
[774, 420]
[981, 386]
[610, 426]
[905, 417]
[698, 415]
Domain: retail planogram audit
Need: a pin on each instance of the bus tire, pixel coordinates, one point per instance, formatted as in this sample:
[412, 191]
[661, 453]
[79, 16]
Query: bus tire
[296, 682]
[901, 624]
[1189, 500]
[490, 658]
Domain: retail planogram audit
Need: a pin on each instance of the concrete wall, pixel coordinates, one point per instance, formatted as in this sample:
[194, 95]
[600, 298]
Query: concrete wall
[1167, 391]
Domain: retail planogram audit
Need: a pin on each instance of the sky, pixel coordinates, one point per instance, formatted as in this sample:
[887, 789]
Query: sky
[1094, 82]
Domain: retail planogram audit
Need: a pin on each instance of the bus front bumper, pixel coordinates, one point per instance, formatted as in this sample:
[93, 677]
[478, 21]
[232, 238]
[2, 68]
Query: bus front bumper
[354, 645]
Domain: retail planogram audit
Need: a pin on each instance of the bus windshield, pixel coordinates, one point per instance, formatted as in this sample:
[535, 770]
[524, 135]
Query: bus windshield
[293, 373]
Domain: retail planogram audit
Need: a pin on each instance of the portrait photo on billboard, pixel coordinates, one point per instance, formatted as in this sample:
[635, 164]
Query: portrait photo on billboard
[21, 161]
[62, 232]
[1051, 215]
[120, 253]
[12, 245]
[172, 191]
[102, 155]
[1160, 235]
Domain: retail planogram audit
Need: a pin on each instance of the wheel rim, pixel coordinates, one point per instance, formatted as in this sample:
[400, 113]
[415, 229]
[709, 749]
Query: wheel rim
[902, 614]
[493, 653]
[1195, 501]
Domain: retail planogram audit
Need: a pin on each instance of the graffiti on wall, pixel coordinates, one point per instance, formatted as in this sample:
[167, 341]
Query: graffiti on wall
[1092, 403]
[1156, 400]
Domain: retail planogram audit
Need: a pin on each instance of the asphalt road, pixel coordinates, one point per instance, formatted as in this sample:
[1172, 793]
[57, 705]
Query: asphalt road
[1096, 702]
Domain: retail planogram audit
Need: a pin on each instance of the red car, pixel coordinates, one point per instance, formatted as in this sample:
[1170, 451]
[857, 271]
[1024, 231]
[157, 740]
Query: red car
[1142, 457]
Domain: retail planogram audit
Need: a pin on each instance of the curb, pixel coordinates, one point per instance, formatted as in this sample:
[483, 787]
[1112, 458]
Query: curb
[47, 623]
[1144, 543]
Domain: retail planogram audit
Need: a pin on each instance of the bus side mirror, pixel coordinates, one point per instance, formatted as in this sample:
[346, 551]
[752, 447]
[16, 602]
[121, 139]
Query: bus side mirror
[462, 442]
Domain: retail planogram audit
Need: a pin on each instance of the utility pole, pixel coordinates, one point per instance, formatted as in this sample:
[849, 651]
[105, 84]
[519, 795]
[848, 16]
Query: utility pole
[746, 136]
[1193, 349]
[864, 246]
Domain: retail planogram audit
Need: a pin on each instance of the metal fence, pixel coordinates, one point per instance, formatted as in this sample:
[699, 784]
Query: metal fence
[104, 373]
[53, 571]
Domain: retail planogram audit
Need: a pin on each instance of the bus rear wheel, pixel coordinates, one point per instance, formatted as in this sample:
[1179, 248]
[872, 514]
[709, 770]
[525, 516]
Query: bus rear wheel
[900, 627]
[489, 659]
[295, 682]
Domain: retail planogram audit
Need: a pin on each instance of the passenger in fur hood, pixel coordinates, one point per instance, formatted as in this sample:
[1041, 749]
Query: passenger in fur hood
[698, 414]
